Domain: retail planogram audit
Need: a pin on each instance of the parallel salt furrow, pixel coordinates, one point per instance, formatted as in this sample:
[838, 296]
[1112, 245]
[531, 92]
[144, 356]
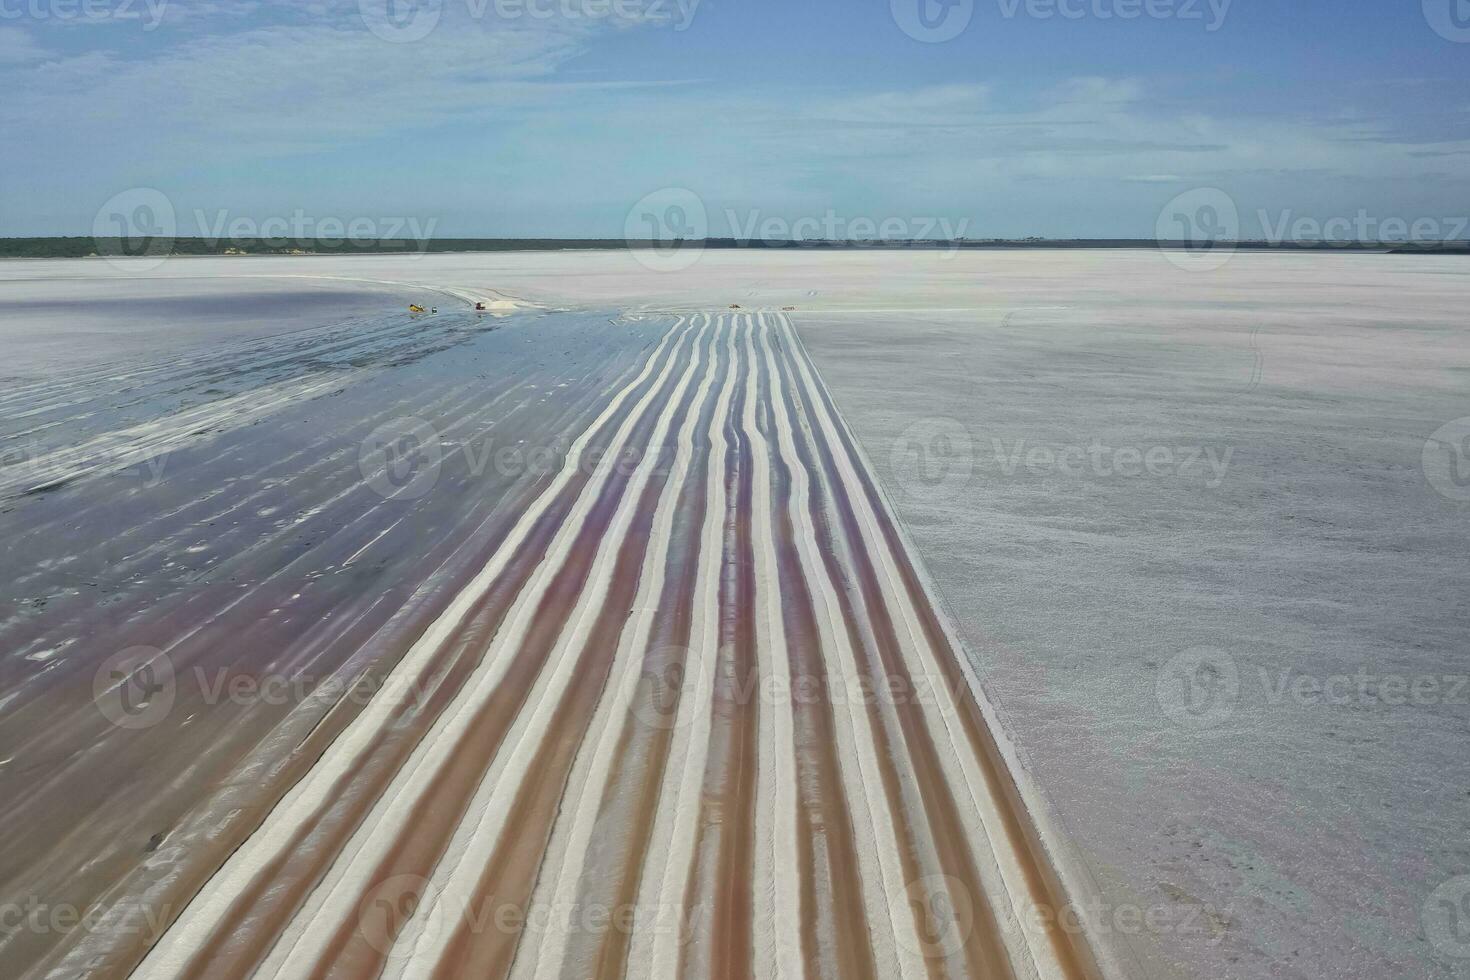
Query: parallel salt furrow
[897, 942]
[330, 907]
[614, 870]
[655, 947]
[455, 885]
[721, 942]
[939, 871]
[275, 887]
[528, 751]
[942, 873]
[306, 653]
[584, 801]
[778, 889]
[307, 796]
[836, 935]
[1030, 945]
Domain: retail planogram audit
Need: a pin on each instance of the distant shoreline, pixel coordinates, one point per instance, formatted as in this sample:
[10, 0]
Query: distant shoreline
[88, 247]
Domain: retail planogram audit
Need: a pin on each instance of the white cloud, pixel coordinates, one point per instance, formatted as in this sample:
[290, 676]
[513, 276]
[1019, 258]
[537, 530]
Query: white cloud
[297, 84]
[505, 123]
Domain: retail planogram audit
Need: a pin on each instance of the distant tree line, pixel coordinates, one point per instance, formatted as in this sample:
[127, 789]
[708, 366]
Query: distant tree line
[87, 246]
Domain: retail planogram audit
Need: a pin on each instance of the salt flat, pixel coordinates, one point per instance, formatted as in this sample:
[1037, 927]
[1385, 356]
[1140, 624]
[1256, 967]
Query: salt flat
[511, 643]
[1297, 818]
[1181, 520]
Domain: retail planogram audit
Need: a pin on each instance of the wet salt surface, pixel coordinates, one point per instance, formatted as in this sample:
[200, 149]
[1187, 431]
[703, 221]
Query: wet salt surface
[53, 327]
[1273, 825]
[250, 528]
[1275, 835]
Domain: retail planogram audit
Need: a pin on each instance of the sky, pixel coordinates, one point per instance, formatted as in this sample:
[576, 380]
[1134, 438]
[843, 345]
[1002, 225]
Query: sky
[763, 118]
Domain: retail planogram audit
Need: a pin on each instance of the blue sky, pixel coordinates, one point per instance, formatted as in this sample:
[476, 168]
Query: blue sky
[1038, 117]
